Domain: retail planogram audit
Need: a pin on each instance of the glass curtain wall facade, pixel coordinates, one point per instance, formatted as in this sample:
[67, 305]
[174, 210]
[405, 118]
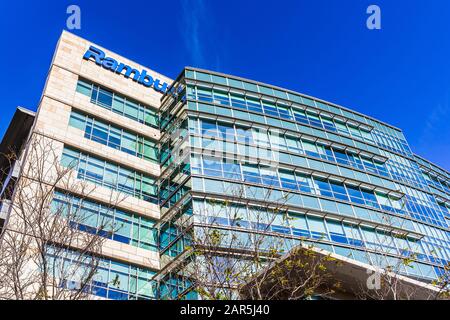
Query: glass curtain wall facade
[351, 183]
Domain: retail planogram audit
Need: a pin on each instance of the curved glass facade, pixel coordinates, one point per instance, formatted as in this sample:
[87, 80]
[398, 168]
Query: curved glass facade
[351, 183]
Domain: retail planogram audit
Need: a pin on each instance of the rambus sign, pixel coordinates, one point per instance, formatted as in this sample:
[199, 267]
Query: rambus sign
[113, 65]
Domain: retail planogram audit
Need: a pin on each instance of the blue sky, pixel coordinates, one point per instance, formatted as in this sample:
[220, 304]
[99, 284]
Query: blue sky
[399, 74]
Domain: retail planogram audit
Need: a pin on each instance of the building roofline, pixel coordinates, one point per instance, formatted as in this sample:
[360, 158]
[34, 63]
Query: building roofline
[294, 92]
[115, 53]
[26, 111]
[432, 163]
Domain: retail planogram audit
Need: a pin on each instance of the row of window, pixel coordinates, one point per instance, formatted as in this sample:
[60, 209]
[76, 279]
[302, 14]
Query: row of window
[310, 227]
[307, 202]
[300, 226]
[290, 180]
[306, 117]
[110, 175]
[107, 221]
[438, 237]
[307, 226]
[112, 280]
[229, 149]
[278, 110]
[396, 164]
[114, 137]
[383, 130]
[273, 140]
[280, 123]
[118, 103]
[257, 88]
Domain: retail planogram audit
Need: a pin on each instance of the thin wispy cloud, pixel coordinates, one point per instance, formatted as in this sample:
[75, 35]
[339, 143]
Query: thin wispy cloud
[193, 20]
[435, 137]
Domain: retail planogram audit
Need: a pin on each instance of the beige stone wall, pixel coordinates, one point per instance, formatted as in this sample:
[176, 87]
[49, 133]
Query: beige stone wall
[60, 97]
[70, 51]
